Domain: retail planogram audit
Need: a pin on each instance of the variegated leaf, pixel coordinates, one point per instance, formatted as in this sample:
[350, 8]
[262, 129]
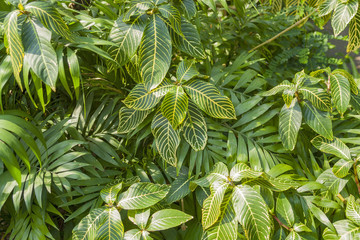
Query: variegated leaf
[335, 146]
[186, 70]
[112, 228]
[343, 13]
[129, 119]
[174, 106]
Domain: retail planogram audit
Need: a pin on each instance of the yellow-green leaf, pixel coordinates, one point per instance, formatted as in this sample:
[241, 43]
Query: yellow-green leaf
[174, 106]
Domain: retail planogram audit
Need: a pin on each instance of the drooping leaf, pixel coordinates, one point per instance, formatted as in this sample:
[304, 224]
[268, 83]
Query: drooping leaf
[211, 206]
[142, 195]
[140, 99]
[112, 228]
[39, 52]
[14, 44]
[289, 124]
[279, 88]
[189, 42]
[127, 37]
[326, 7]
[343, 13]
[194, 128]
[340, 92]
[319, 121]
[207, 97]
[219, 173]
[241, 170]
[252, 213]
[353, 85]
[154, 53]
[318, 97]
[174, 106]
[186, 70]
[167, 218]
[167, 139]
[50, 18]
[110, 193]
[129, 119]
[335, 146]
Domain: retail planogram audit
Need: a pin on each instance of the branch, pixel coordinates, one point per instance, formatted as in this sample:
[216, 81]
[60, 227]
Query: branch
[281, 224]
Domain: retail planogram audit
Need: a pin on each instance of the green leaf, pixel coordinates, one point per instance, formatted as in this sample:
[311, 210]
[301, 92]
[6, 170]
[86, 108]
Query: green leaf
[241, 170]
[330, 235]
[139, 217]
[353, 85]
[354, 33]
[194, 128]
[212, 204]
[154, 53]
[320, 215]
[74, 69]
[167, 139]
[288, 96]
[179, 188]
[133, 234]
[352, 210]
[188, 8]
[343, 13]
[174, 106]
[137, 8]
[87, 227]
[129, 119]
[127, 37]
[300, 227]
[326, 7]
[173, 15]
[226, 227]
[50, 18]
[112, 228]
[140, 99]
[207, 97]
[342, 167]
[252, 213]
[340, 92]
[219, 173]
[186, 70]
[318, 97]
[336, 147]
[289, 124]
[189, 42]
[142, 195]
[284, 210]
[167, 218]
[319, 121]
[109, 193]
[347, 230]
[293, 236]
[39, 52]
[279, 88]
[14, 44]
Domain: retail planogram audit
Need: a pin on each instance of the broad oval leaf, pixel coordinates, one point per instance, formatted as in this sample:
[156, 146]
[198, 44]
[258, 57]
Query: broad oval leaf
[133, 234]
[112, 228]
[279, 88]
[127, 37]
[186, 70]
[289, 124]
[252, 213]
[219, 173]
[189, 42]
[207, 97]
[139, 217]
[14, 43]
[188, 8]
[343, 13]
[142, 195]
[140, 99]
[319, 121]
[129, 119]
[342, 167]
[353, 210]
[194, 128]
[354, 33]
[167, 139]
[241, 170]
[167, 218]
[173, 15]
[326, 7]
[88, 226]
[340, 92]
[211, 206]
[284, 210]
[39, 52]
[174, 106]
[154, 53]
[50, 17]
[347, 230]
[318, 97]
[335, 146]
[353, 85]
[109, 193]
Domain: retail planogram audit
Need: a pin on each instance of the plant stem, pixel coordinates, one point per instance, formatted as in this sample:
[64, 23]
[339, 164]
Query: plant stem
[356, 176]
[284, 31]
[341, 198]
[280, 223]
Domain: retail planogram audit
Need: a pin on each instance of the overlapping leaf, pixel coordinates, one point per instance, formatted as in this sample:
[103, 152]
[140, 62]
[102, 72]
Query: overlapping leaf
[318, 97]
[335, 146]
[167, 218]
[353, 210]
[87, 228]
[173, 15]
[343, 13]
[354, 33]
[279, 88]
[167, 139]
[155, 53]
[110, 193]
[112, 228]
[129, 119]
[186, 70]
[207, 97]
[319, 121]
[289, 124]
[174, 106]
[241, 170]
[326, 7]
[142, 195]
[340, 92]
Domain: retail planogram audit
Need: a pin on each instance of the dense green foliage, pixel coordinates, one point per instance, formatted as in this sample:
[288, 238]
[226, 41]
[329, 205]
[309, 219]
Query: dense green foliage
[162, 119]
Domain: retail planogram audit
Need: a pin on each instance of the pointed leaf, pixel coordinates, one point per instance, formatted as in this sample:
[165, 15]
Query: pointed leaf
[284, 210]
[155, 53]
[318, 97]
[87, 227]
[142, 195]
[252, 213]
[319, 121]
[167, 139]
[353, 85]
[167, 218]
[173, 15]
[112, 228]
[207, 97]
[342, 167]
[219, 173]
[289, 124]
[347, 230]
[109, 193]
[340, 92]
[133, 234]
[174, 106]
[353, 210]
[354, 33]
[241, 170]
[336, 147]
[139, 217]
[129, 119]
[279, 88]
[326, 7]
[343, 13]
[186, 70]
